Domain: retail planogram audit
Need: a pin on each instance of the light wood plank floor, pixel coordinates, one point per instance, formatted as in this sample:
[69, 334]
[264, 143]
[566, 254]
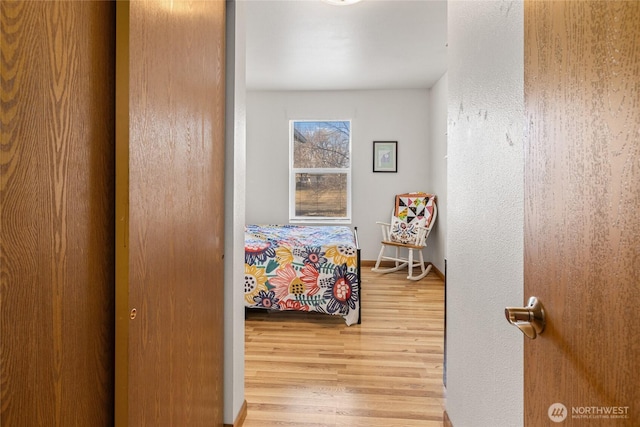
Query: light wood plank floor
[312, 370]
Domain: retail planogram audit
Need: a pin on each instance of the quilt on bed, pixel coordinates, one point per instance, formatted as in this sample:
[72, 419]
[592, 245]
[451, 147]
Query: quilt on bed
[304, 268]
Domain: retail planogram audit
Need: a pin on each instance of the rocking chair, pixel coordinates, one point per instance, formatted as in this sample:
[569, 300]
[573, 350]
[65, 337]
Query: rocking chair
[411, 222]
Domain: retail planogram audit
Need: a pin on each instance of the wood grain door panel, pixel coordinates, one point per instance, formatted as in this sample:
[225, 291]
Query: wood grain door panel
[57, 214]
[171, 220]
[582, 209]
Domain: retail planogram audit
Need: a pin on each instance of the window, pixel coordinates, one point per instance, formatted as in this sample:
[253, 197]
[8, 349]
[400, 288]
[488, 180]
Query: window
[320, 171]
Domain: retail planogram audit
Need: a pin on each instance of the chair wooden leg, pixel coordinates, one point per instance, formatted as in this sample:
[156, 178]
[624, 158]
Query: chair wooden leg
[398, 263]
[410, 264]
[380, 255]
[424, 270]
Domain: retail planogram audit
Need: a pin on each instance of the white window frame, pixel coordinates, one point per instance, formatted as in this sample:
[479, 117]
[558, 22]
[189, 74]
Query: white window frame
[292, 179]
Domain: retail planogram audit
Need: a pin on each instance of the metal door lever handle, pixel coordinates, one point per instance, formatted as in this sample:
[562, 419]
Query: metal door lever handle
[530, 319]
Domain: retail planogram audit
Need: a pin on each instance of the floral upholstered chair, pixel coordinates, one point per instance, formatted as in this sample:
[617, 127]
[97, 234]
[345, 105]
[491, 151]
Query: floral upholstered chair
[406, 235]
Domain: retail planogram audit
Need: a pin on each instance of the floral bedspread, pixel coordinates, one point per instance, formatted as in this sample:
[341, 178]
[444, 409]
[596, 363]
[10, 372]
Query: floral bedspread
[304, 268]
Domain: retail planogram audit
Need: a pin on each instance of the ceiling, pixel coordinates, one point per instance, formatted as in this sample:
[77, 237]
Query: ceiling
[374, 44]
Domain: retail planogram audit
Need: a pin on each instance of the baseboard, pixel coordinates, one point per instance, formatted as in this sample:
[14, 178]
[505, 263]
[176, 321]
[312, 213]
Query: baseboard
[439, 273]
[446, 422]
[242, 414]
[366, 263]
[372, 263]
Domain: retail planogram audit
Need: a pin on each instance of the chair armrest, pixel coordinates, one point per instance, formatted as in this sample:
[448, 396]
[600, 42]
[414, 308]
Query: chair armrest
[421, 238]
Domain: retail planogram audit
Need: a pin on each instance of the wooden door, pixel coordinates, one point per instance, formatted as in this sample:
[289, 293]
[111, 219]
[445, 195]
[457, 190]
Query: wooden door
[57, 193]
[582, 211]
[169, 235]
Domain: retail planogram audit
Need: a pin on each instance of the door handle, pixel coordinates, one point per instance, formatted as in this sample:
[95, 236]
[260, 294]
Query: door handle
[530, 319]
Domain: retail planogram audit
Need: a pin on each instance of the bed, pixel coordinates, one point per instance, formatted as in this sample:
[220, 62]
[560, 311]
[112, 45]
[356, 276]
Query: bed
[303, 268]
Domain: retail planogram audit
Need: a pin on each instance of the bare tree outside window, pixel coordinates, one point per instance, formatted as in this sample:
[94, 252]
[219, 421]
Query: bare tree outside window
[321, 169]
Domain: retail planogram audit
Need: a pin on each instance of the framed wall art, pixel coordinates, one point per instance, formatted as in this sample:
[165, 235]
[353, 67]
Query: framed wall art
[385, 156]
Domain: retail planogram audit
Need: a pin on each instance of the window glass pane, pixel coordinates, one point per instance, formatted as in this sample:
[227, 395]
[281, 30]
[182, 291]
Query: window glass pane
[321, 195]
[321, 144]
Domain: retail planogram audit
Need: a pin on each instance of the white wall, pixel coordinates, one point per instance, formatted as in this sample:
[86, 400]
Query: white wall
[485, 212]
[437, 171]
[234, 215]
[395, 115]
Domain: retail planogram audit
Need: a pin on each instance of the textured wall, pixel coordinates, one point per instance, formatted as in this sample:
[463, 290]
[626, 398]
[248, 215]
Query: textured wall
[485, 212]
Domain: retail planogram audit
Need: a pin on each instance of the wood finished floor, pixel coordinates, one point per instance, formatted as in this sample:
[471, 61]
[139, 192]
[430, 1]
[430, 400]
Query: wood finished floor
[313, 370]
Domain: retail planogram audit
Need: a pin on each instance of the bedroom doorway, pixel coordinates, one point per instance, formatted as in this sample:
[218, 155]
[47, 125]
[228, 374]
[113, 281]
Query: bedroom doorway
[260, 156]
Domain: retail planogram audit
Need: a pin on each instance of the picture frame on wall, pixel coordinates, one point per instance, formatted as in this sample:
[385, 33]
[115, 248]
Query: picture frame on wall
[385, 156]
